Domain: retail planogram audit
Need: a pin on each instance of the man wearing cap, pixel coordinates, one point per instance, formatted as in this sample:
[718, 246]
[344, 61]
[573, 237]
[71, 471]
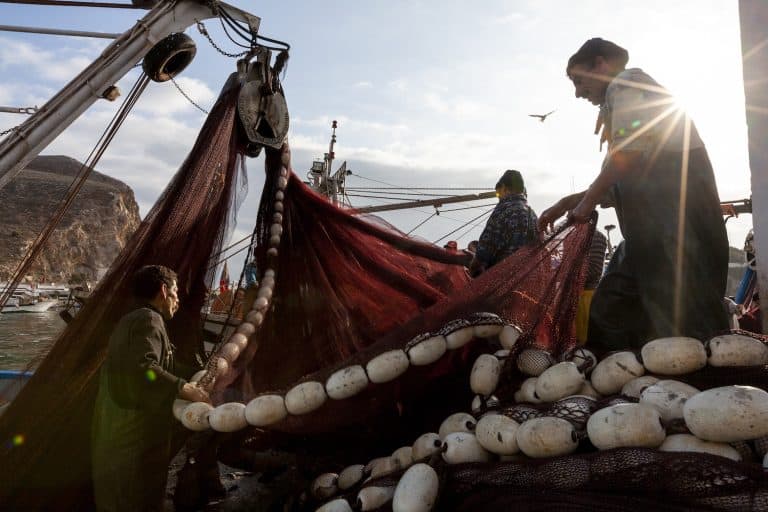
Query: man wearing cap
[511, 225]
[669, 279]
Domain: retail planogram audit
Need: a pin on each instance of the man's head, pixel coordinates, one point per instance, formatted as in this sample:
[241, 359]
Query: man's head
[593, 66]
[157, 285]
[472, 246]
[511, 182]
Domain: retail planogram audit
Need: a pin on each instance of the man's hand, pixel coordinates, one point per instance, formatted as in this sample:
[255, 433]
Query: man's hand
[549, 216]
[582, 212]
[194, 393]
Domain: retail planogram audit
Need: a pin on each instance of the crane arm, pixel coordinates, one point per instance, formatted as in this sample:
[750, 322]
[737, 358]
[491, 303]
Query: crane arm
[33, 136]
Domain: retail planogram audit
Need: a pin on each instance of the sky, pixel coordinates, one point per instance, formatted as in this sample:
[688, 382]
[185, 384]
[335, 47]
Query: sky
[429, 93]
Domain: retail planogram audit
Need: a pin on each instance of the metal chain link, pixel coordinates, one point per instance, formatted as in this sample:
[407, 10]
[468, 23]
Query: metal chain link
[201, 109]
[201, 28]
[9, 130]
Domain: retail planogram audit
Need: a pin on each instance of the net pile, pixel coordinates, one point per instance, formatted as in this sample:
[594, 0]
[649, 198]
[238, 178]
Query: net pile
[45, 432]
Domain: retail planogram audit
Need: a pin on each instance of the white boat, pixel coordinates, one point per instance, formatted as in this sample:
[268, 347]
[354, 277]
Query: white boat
[13, 306]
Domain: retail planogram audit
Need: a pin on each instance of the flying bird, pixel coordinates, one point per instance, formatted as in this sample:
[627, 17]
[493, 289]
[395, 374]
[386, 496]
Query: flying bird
[541, 117]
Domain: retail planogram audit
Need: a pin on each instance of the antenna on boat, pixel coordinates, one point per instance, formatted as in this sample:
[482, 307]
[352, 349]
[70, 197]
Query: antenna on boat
[320, 177]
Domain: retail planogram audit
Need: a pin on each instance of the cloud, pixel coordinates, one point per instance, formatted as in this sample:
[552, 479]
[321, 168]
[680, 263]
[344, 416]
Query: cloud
[362, 84]
[59, 64]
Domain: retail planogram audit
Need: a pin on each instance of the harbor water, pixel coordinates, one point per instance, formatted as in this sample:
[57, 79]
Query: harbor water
[25, 338]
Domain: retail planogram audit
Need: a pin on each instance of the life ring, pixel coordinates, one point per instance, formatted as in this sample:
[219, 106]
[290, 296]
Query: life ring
[169, 57]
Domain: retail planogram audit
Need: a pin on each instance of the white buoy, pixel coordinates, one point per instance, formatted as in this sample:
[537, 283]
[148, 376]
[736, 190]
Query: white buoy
[373, 497]
[458, 422]
[265, 410]
[275, 229]
[229, 417]
[533, 361]
[178, 407]
[668, 397]
[676, 355]
[626, 426]
[246, 329]
[509, 335]
[497, 434]
[635, 387]
[736, 350]
[279, 195]
[610, 374]
[255, 317]
[485, 374]
[425, 446]
[546, 437]
[350, 476]
[417, 490]
[427, 351]
[462, 447]
[488, 330]
[689, 443]
[559, 381]
[403, 456]
[346, 382]
[337, 505]
[230, 351]
[727, 414]
[457, 333]
[381, 466]
[305, 397]
[324, 486]
[527, 392]
[239, 339]
[387, 366]
[195, 416]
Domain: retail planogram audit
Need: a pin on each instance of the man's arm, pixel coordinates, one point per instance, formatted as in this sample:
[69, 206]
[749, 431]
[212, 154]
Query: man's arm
[619, 164]
[488, 244]
[550, 215]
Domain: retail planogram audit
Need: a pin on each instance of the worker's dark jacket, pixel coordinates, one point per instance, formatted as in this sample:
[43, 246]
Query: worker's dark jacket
[132, 415]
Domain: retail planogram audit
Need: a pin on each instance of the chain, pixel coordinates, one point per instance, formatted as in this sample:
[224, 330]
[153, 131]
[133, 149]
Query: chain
[9, 130]
[201, 28]
[201, 109]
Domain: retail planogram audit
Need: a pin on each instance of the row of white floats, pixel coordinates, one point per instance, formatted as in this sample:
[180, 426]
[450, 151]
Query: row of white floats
[228, 353]
[715, 419]
[306, 397]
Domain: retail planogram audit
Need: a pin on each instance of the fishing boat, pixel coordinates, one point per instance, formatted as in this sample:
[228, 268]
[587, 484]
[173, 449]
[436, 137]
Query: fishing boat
[14, 305]
[373, 352]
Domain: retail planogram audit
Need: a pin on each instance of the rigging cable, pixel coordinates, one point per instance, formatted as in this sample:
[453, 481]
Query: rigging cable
[437, 212]
[77, 184]
[466, 224]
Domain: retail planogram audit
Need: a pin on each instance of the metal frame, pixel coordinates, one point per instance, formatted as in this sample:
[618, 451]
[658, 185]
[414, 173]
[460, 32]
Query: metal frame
[34, 135]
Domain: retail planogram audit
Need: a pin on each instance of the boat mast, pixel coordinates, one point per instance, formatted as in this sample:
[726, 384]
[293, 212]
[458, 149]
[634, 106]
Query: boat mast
[320, 178]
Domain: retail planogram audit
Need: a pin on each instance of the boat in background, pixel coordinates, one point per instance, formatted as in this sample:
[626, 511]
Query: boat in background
[14, 305]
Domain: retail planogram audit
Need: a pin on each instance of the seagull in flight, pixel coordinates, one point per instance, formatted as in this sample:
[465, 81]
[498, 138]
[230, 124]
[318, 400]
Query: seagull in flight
[541, 117]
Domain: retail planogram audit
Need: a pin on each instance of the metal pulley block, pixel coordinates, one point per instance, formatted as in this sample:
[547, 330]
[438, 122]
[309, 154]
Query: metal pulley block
[261, 104]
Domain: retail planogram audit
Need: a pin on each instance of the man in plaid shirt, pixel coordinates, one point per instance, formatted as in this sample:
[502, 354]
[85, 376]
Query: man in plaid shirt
[512, 224]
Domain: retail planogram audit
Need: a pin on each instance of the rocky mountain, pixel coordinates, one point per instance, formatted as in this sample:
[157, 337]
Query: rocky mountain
[92, 233]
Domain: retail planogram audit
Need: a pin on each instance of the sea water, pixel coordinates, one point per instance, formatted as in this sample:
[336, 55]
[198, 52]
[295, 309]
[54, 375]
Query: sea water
[25, 338]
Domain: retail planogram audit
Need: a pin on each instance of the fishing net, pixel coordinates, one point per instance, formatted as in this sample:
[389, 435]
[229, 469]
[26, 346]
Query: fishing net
[45, 432]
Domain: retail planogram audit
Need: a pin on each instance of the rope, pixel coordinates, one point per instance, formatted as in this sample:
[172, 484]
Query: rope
[178, 87]
[85, 170]
[403, 193]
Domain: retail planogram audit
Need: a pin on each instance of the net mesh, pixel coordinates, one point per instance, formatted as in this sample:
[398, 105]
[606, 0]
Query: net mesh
[45, 432]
